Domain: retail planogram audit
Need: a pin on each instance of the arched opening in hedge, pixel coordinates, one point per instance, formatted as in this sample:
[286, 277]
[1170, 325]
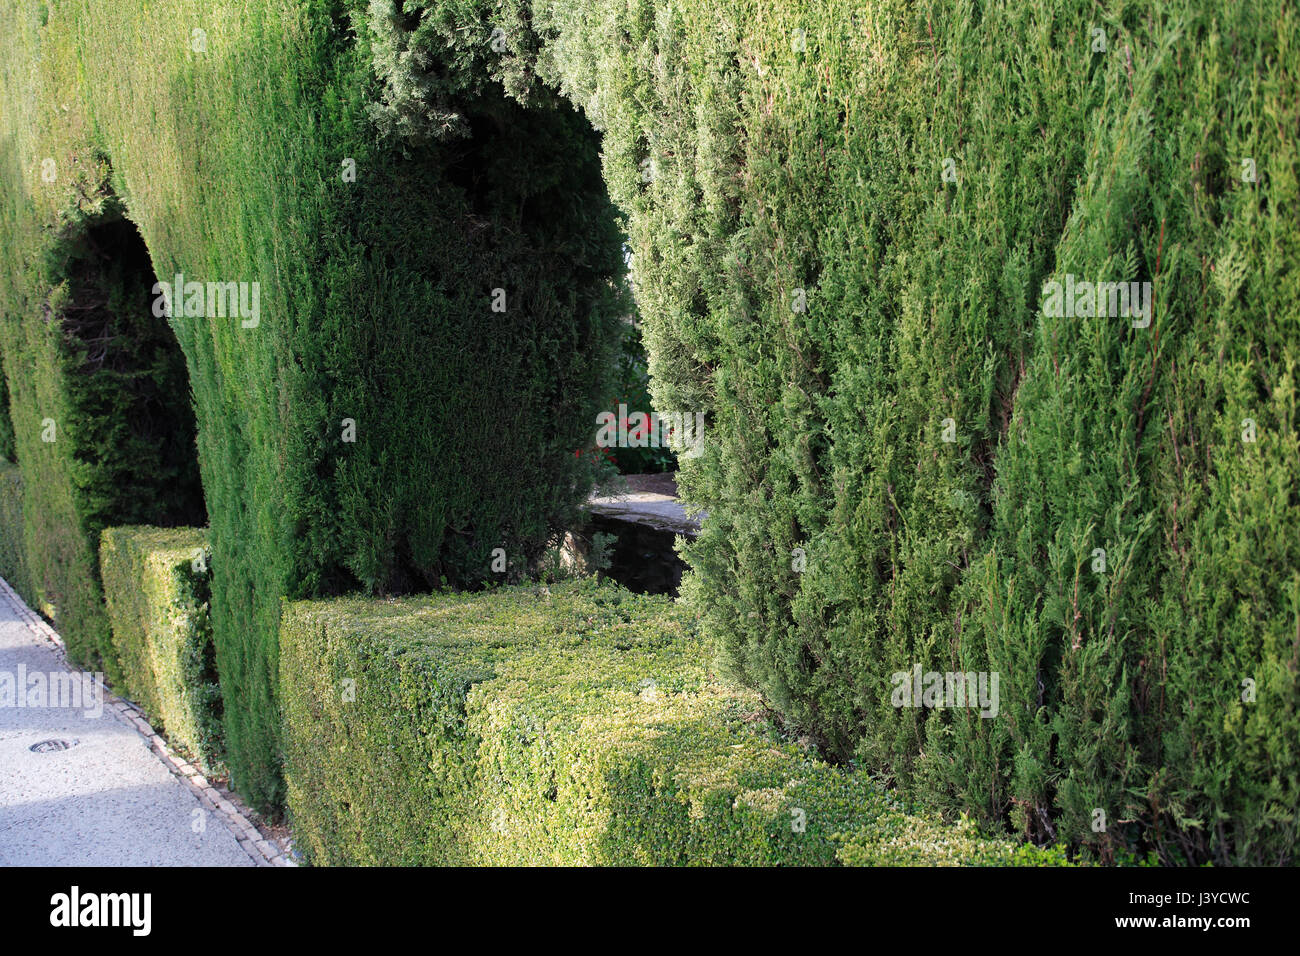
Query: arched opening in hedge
[104, 426]
[131, 417]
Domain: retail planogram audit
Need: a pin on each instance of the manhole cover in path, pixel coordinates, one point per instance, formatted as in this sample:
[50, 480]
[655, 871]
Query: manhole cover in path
[51, 746]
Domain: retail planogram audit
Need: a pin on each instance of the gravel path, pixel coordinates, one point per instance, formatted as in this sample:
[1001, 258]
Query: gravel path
[107, 800]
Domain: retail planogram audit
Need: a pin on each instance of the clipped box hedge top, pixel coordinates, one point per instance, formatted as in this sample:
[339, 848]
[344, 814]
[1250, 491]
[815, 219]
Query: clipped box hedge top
[575, 724]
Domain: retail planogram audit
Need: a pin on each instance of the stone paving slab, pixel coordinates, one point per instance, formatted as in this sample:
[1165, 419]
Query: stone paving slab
[662, 512]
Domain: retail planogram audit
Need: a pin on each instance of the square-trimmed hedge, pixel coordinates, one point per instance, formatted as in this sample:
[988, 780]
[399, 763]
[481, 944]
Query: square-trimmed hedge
[570, 724]
[157, 584]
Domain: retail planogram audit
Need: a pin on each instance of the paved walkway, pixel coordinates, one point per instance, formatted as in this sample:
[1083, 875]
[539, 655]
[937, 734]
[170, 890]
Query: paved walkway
[106, 800]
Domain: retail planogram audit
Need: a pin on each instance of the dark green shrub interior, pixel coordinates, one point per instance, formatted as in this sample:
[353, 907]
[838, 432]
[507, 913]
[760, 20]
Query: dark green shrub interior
[130, 409]
[466, 419]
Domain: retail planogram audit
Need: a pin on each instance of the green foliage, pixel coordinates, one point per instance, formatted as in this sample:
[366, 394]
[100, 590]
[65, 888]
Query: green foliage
[7, 449]
[129, 415]
[13, 554]
[103, 425]
[842, 219]
[564, 725]
[375, 298]
[157, 588]
[632, 389]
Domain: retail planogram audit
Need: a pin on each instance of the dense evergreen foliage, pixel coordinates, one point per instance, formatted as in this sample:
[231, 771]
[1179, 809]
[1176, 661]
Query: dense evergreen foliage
[157, 587]
[437, 306]
[568, 725]
[105, 430]
[6, 424]
[13, 552]
[845, 221]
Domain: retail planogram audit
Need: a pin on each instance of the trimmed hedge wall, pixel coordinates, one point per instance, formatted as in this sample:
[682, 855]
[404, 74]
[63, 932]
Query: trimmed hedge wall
[157, 584]
[572, 724]
[13, 554]
[103, 428]
[380, 426]
[845, 219]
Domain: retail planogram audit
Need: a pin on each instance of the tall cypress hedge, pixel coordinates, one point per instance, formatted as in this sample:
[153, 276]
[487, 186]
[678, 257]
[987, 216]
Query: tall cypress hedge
[844, 220]
[102, 426]
[439, 273]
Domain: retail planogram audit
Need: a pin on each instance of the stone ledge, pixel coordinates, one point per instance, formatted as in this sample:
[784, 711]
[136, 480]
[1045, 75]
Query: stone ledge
[661, 512]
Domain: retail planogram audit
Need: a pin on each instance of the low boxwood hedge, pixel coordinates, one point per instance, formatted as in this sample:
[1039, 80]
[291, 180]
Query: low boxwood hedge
[157, 587]
[570, 724]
